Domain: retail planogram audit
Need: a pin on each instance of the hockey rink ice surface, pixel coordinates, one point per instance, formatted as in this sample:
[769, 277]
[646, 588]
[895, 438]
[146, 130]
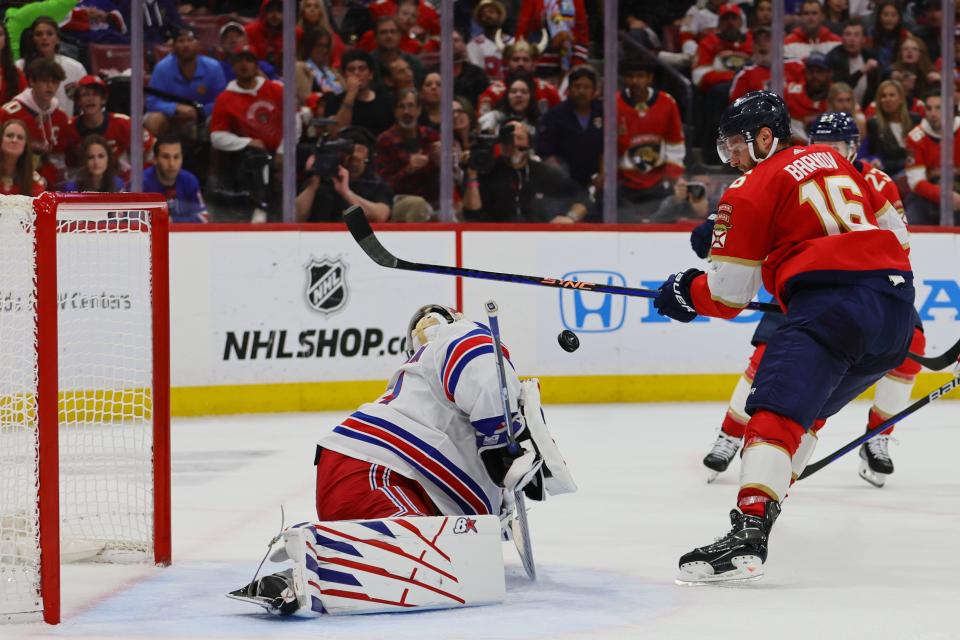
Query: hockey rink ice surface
[846, 560]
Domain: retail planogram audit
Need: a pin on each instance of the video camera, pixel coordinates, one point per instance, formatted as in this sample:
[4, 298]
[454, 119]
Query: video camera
[482, 156]
[328, 154]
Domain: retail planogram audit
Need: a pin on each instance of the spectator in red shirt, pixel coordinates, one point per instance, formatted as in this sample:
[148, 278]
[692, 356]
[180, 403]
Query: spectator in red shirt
[811, 36]
[723, 52]
[12, 80]
[650, 143]
[755, 76]
[248, 118]
[91, 98]
[407, 153]
[265, 33]
[48, 125]
[17, 176]
[565, 24]
[922, 204]
[519, 56]
[807, 97]
[427, 19]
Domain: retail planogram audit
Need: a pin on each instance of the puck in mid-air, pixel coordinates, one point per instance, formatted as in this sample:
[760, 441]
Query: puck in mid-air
[568, 340]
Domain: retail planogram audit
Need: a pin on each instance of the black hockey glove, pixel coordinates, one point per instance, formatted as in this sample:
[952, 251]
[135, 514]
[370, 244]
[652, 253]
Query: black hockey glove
[702, 236]
[673, 298]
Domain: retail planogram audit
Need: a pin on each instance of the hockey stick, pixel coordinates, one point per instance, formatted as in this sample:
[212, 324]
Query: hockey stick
[524, 548]
[362, 232]
[883, 426]
[936, 363]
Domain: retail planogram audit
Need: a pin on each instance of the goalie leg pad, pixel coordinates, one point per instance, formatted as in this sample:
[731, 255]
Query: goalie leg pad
[396, 564]
[556, 475]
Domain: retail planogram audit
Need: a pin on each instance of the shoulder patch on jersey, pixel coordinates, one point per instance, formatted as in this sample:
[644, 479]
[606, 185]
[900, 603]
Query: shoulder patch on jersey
[720, 231]
[13, 106]
[916, 134]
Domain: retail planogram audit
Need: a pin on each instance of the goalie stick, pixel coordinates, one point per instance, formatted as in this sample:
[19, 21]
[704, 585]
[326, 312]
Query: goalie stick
[523, 544]
[883, 426]
[362, 232]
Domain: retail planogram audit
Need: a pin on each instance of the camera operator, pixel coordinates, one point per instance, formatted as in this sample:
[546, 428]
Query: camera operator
[517, 188]
[688, 202]
[351, 181]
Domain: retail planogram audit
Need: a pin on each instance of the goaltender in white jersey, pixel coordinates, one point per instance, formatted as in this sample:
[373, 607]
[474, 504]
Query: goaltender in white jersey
[423, 469]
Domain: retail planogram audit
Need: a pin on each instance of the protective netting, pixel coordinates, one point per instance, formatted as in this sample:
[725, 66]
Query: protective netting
[105, 392]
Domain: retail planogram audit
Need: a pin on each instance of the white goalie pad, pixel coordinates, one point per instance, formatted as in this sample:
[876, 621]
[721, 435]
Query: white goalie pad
[396, 564]
[556, 475]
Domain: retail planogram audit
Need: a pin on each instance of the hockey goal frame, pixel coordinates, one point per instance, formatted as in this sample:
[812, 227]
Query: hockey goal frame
[46, 207]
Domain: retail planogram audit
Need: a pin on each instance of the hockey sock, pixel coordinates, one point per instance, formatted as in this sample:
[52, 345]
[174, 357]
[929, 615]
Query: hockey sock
[735, 421]
[765, 470]
[893, 390]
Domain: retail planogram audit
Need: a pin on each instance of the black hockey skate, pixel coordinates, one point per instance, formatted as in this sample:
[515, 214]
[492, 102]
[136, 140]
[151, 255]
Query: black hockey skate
[275, 593]
[736, 557]
[875, 461]
[724, 449]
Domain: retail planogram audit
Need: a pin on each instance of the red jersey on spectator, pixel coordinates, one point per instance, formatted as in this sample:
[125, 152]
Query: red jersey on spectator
[368, 42]
[547, 95]
[251, 113]
[801, 106]
[755, 77]
[20, 82]
[10, 189]
[116, 129]
[393, 157]
[923, 159]
[916, 106]
[798, 45]
[718, 60]
[651, 132]
[267, 42]
[556, 16]
[51, 127]
[428, 20]
[776, 222]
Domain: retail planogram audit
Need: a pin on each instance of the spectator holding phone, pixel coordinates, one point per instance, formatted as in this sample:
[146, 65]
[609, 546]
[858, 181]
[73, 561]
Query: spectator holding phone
[688, 202]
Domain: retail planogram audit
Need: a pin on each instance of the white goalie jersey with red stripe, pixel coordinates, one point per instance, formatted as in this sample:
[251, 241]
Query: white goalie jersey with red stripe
[441, 408]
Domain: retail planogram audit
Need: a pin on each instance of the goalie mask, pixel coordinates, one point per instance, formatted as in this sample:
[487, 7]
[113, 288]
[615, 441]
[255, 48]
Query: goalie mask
[421, 327]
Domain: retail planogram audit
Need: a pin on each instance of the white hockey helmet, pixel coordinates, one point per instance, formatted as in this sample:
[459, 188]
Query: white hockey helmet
[427, 316]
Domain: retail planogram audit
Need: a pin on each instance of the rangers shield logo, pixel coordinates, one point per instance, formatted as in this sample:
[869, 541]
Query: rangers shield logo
[326, 285]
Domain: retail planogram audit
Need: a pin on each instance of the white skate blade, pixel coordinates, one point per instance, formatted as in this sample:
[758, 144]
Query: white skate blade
[745, 569]
[871, 476]
[712, 475]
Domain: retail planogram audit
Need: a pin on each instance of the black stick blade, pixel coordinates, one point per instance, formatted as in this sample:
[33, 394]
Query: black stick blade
[936, 363]
[362, 232]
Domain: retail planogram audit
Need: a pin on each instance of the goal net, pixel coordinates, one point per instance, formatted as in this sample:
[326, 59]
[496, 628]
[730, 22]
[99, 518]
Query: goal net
[84, 389]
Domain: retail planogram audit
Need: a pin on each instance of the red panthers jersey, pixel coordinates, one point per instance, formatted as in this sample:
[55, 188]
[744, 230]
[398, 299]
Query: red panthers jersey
[801, 106]
[251, 114]
[719, 60]
[116, 129]
[882, 183]
[547, 95]
[755, 77]
[805, 210]
[52, 129]
[649, 140]
[923, 160]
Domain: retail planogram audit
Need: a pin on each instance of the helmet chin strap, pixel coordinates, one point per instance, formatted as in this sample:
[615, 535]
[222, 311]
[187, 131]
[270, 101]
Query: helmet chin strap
[773, 147]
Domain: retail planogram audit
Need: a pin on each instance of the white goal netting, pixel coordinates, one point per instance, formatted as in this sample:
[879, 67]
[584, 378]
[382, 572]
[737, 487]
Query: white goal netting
[105, 408]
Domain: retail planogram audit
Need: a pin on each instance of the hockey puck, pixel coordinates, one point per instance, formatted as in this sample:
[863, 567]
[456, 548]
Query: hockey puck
[568, 340]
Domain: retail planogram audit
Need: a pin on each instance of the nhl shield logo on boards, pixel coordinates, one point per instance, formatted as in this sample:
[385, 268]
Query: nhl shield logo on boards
[326, 285]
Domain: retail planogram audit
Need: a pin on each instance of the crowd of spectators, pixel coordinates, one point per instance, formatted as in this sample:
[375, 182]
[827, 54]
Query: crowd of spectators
[527, 110]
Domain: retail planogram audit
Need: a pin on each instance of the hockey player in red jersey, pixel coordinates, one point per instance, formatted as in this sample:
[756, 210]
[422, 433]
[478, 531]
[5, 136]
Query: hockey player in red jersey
[838, 130]
[833, 252]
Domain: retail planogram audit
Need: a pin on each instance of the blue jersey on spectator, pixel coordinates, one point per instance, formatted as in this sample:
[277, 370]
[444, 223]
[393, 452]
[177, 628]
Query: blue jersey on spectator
[183, 197]
[204, 87]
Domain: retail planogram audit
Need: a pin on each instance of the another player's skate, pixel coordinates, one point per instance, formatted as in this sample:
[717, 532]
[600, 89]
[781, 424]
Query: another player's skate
[735, 557]
[875, 462]
[275, 593]
[724, 449]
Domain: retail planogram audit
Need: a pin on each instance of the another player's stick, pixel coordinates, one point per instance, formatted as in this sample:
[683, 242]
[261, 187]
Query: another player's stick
[883, 426]
[363, 234]
[524, 548]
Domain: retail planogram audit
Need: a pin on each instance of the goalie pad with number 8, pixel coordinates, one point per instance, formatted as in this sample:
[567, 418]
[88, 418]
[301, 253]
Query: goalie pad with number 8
[387, 565]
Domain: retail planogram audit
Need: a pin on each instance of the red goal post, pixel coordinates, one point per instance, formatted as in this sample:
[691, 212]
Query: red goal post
[84, 389]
